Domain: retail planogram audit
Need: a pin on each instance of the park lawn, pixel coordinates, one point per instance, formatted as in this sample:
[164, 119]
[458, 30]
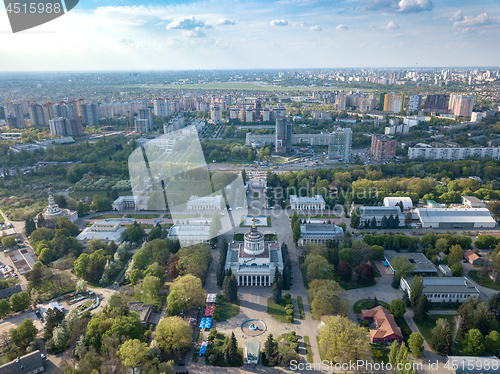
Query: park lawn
[107, 216]
[428, 324]
[380, 354]
[277, 310]
[302, 315]
[229, 310]
[143, 216]
[59, 283]
[2, 220]
[268, 221]
[270, 237]
[256, 196]
[309, 353]
[485, 282]
[321, 353]
[367, 304]
[312, 216]
[405, 329]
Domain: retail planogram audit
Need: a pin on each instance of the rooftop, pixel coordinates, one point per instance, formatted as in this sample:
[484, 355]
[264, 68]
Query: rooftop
[465, 363]
[26, 364]
[447, 285]
[453, 215]
[321, 228]
[421, 264]
[304, 200]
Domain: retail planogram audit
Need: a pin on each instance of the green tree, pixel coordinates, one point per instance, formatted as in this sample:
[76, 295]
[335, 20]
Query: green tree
[19, 301]
[421, 308]
[377, 252]
[135, 276]
[81, 286]
[151, 285]
[344, 271]
[4, 307]
[271, 350]
[29, 226]
[155, 232]
[190, 290]
[474, 342]
[23, 334]
[416, 345]
[230, 350]
[355, 218]
[134, 232]
[485, 242]
[175, 304]
[441, 337]
[398, 308]
[494, 305]
[373, 223]
[393, 353]
[492, 341]
[408, 219]
[457, 269]
[402, 267]
[133, 353]
[456, 254]
[296, 231]
[384, 222]
[277, 286]
[327, 297]
[173, 335]
[230, 288]
[8, 241]
[442, 245]
[342, 340]
[417, 288]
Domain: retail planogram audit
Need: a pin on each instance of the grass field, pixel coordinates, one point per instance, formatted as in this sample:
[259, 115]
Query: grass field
[270, 237]
[309, 353]
[276, 310]
[229, 310]
[485, 282]
[256, 196]
[426, 326]
[107, 216]
[318, 216]
[143, 216]
[55, 284]
[301, 308]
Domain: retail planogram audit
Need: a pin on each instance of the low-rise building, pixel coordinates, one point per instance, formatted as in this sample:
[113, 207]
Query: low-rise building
[252, 352]
[421, 264]
[136, 203]
[52, 213]
[189, 234]
[307, 203]
[445, 269]
[452, 154]
[106, 231]
[205, 202]
[444, 289]
[319, 233]
[379, 212]
[462, 218]
[473, 202]
[6, 293]
[144, 311]
[393, 200]
[32, 363]
[473, 258]
[386, 329]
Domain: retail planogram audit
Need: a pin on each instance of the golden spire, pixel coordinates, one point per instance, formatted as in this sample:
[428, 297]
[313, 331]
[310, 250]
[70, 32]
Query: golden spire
[253, 226]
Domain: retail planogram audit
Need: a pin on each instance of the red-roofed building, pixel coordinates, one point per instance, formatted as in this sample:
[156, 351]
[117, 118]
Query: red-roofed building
[473, 258]
[386, 329]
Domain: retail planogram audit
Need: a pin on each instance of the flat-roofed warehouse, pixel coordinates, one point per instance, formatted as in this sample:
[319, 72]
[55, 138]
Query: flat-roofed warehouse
[441, 289]
[421, 264]
[458, 218]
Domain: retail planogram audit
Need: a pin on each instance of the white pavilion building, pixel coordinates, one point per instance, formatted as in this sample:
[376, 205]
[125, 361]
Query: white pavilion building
[254, 261]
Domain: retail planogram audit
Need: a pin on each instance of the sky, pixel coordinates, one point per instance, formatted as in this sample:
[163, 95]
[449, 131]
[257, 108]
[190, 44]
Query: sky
[260, 34]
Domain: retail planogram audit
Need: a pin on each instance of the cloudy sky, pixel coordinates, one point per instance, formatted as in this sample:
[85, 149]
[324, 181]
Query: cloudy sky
[222, 34]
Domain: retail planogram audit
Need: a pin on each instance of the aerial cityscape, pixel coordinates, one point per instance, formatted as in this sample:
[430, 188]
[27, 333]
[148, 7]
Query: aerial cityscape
[292, 186]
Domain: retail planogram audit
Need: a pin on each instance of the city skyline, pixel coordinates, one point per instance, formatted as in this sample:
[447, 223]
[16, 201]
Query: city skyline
[287, 34]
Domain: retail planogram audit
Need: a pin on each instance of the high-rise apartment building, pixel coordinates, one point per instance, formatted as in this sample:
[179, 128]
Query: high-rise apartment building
[393, 102]
[37, 116]
[146, 114]
[215, 114]
[66, 110]
[89, 114]
[65, 126]
[19, 114]
[2, 113]
[383, 148]
[340, 101]
[436, 103]
[283, 135]
[340, 144]
[414, 102]
[12, 122]
[462, 105]
[161, 107]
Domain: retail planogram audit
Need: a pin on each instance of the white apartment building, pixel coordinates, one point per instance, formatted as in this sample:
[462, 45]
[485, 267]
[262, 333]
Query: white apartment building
[432, 153]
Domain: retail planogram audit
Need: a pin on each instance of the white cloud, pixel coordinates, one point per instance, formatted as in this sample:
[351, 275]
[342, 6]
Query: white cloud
[124, 41]
[279, 22]
[341, 27]
[185, 23]
[224, 22]
[196, 33]
[404, 6]
[391, 26]
[411, 6]
[316, 28]
[480, 20]
[457, 16]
